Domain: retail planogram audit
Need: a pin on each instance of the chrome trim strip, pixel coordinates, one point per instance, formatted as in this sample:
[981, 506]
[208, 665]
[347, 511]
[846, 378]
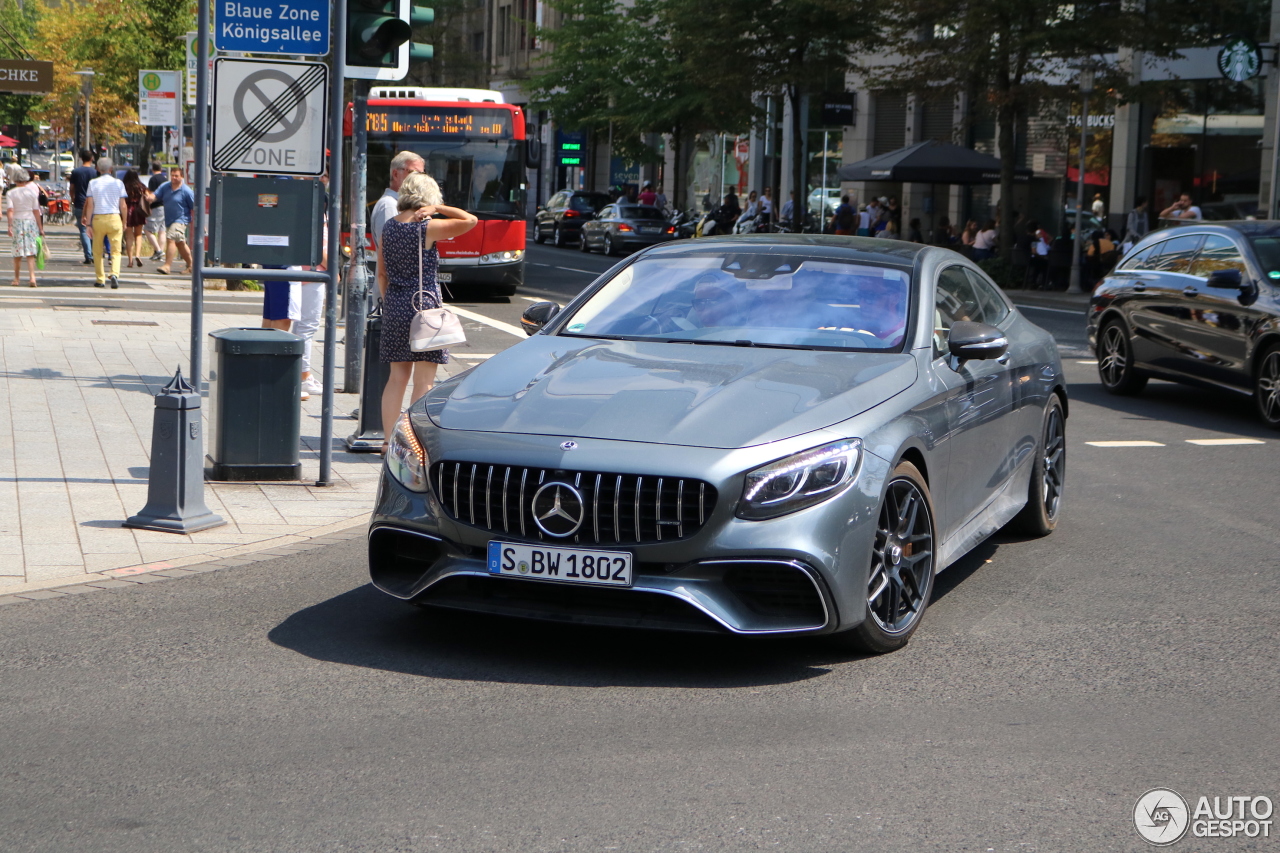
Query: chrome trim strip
[803, 568]
[617, 510]
[657, 507]
[524, 473]
[488, 485]
[471, 494]
[680, 510]
[702, 501]
[505, 498]
[639, 481]
[457, 475]
[595, 508]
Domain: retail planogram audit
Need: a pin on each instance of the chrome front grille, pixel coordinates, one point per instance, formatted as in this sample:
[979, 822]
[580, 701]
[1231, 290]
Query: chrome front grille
[618, 509]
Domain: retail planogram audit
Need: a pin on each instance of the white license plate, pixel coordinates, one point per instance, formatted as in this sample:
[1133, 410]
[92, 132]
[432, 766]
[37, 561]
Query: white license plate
[444, 277]
[567, 565]
[657, 230]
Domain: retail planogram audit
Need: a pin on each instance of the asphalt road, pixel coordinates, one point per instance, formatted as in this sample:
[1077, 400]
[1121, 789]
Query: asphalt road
[286, 706]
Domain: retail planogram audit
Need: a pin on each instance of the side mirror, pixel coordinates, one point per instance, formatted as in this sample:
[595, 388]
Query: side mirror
[533, 152]
[1226, 279]
[975, 341]
[541, 208]
[538, 315]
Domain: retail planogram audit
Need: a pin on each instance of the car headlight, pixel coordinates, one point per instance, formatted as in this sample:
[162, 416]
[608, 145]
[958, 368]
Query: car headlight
[509, 257]
[800, 481]
[406, 458]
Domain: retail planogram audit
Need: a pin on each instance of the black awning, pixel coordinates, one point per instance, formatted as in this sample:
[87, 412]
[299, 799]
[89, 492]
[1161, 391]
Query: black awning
[930, 163]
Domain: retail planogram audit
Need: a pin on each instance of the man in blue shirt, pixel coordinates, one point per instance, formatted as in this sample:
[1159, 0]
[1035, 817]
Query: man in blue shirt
[79, 183]
[179, 201]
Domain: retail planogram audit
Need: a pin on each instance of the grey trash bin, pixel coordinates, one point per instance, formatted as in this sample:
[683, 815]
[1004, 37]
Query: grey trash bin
[255, 415]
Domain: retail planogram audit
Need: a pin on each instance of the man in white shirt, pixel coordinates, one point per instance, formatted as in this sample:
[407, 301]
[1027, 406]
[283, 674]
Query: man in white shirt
[401, 165]
[1182, 209]
[105, 211]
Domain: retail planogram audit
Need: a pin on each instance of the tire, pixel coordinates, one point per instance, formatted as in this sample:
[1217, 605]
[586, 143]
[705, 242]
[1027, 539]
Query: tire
[1048, 475]
[607, 246]
[557, 238]
[904, 528]
[583, 246]
[1115, 362]
[538, 236]
[1266, 387]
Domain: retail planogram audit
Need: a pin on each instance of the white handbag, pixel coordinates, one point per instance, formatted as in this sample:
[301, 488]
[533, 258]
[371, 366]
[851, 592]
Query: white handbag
[432, 328]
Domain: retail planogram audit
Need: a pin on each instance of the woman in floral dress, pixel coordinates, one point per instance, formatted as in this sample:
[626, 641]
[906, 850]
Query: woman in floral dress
[407, 263]
[26, 223]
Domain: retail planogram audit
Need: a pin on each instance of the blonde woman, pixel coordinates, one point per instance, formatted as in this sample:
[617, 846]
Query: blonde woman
[26, 222]
[407, 262]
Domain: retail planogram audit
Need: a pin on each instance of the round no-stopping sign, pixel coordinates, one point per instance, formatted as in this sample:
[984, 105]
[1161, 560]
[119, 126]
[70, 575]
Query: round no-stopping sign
[250, 100]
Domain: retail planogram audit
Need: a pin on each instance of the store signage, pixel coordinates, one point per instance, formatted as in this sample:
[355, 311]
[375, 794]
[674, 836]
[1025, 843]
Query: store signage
[22, 76]
[1104, 122]
[1240, 59]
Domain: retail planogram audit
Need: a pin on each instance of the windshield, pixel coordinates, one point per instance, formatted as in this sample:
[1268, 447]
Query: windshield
[1268, 251]
[751, 299]
[472, 156]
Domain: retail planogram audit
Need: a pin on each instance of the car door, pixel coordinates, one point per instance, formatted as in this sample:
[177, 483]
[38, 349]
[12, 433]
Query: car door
[978, 399]
[1159, 313]
[546, 216]
[1219, 323]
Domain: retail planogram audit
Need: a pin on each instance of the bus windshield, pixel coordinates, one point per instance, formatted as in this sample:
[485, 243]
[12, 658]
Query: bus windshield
[470, 151]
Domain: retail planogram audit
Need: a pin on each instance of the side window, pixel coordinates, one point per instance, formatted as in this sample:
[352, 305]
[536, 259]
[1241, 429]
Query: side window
[557, 201]
[955, 300]
[1141, 260]
[1178, 253]
[994, 308]
[608, 212]
[1217, 253]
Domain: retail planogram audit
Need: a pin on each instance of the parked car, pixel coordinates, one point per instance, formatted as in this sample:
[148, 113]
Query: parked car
[626, 226]
[561, 218]
[768, 434]
[1199, 304]
[833, 201]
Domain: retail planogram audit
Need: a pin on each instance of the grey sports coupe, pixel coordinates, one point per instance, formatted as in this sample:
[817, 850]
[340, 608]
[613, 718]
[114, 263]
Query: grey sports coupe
[758, 435]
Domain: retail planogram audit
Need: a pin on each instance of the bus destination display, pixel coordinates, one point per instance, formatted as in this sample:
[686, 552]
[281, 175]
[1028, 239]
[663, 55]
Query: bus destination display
[439, 122]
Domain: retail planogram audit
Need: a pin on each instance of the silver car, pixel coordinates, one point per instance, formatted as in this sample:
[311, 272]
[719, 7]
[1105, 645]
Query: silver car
[776, 434]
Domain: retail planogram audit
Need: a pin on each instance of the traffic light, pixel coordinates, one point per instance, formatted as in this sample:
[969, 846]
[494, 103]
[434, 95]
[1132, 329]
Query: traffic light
[379, 38]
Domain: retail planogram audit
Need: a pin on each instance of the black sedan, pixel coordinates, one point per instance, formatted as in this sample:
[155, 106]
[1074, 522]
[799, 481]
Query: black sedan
[626, 226]
[1198, 304]
[562, 217]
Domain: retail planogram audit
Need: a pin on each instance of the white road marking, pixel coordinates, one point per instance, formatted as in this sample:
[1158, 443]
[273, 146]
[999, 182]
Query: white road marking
[489, 321]
[1077, 311]
[533, 299]
[536, 264]
[1124, 443]
[1222, 442]
[1094, 362]
[574, 269]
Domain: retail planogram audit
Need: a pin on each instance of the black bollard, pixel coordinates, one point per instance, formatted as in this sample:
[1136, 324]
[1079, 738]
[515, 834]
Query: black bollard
[175, 483]
[374, 374]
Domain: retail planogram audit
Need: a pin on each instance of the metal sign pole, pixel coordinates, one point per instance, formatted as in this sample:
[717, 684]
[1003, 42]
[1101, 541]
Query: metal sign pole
[357, 272]
[201, 130]
[338, 53]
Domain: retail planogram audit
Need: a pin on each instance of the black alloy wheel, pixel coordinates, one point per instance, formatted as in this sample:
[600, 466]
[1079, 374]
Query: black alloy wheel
[1048, 475]
[1115, 362]
[1266, 388]
[557, 238]
[900, 578]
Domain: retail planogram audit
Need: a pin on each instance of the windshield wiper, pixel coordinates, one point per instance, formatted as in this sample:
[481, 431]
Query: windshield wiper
[737, 343]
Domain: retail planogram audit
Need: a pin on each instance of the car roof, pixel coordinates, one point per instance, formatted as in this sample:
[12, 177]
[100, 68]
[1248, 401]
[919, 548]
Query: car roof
[871, 250]
[1242, 227]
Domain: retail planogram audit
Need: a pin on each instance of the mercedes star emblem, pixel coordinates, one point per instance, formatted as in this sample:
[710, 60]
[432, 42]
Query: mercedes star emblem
[558, 509]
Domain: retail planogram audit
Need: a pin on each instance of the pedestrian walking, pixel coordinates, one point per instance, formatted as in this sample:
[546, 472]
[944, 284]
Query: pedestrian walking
[137, 210]
[407, 263]
[78, 183]
[310, 309]
[1136, 225]
[660, 199]
[179, 202]
[402, 165]
[105, 211]
[154, 227]
[1099, 208]
[647, 194]
[26, 223]
[845, 220]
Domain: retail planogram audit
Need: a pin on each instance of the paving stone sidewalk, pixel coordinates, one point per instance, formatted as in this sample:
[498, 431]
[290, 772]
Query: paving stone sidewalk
[77, 387]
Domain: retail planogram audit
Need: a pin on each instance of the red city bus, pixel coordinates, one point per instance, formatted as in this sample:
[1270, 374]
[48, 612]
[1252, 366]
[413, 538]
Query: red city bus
[474, 146]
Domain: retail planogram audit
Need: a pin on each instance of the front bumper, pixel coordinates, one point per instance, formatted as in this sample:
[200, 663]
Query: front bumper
[469, 271]
[804, 573]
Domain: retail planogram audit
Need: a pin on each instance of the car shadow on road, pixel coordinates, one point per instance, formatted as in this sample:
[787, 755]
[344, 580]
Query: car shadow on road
[1181, 405]
[364, 627]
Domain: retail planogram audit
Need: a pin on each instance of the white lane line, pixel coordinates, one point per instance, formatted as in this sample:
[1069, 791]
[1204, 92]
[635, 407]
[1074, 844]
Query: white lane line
[1222, 442]
[1124, 443]
[1054, 310]
[488, 321]
[1094, 362]
[533, 299]
[574, 269]
[536, 264]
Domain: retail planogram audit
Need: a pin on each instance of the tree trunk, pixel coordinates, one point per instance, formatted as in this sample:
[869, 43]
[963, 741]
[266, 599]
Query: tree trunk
[1007, 116]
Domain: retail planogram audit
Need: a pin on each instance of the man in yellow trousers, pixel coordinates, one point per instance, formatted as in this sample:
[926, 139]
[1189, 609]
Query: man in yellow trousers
[104, 211]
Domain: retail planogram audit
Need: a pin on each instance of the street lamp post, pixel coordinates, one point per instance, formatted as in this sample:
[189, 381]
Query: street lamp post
[1086, 89]
[86, 85]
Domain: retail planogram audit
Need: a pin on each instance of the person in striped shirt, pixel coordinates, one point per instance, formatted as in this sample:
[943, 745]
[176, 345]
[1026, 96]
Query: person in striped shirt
[104, 212]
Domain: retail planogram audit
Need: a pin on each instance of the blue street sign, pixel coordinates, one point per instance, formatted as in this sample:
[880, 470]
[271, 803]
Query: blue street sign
[298, 27]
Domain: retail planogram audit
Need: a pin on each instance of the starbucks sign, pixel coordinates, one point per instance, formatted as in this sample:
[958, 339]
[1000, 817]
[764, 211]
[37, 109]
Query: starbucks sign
[1240, 59]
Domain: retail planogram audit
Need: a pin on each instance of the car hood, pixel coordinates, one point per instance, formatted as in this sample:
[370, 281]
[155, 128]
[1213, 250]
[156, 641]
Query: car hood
[699, 396]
